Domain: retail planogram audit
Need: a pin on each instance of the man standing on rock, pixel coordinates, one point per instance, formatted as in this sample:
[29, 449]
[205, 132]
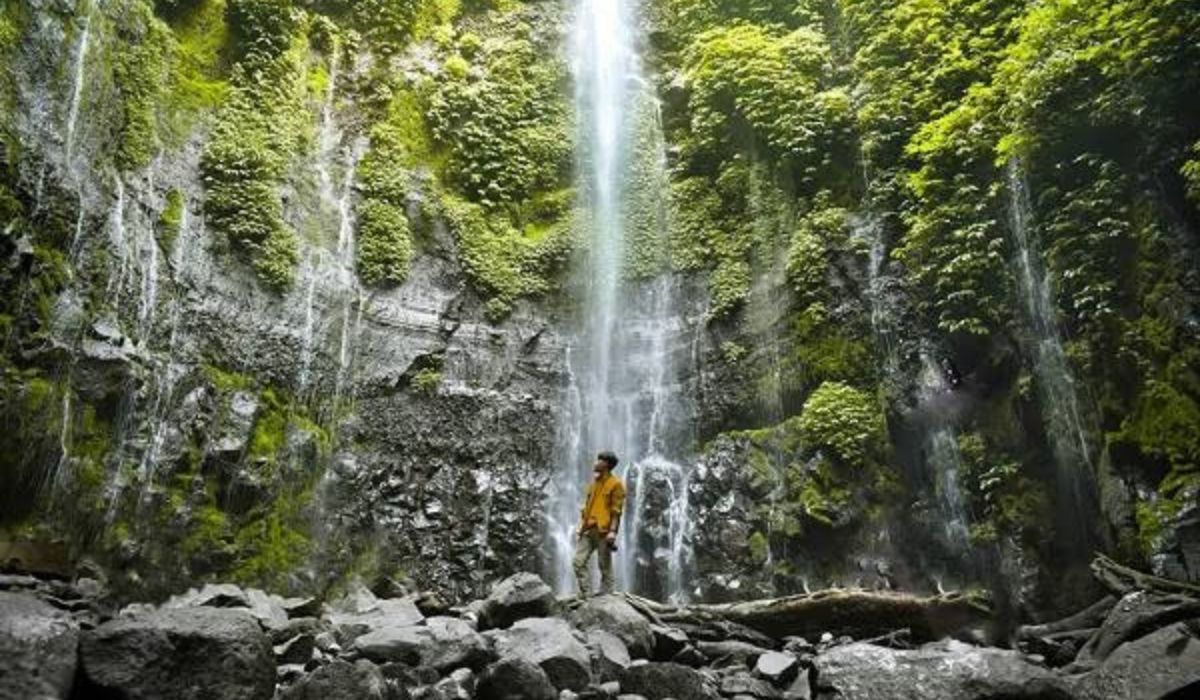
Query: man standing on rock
[598, 524]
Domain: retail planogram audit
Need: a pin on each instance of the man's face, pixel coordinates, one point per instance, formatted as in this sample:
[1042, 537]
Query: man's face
[600, 468]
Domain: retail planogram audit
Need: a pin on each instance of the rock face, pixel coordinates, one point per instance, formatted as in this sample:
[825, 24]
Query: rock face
[518, 596]
[187, 653]
[551, 644]
[37, 649]
[947, 671]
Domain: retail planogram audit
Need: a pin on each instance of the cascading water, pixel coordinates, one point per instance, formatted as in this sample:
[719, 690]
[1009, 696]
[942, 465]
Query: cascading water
[620, 395]
[85, 35]
[1062, 408]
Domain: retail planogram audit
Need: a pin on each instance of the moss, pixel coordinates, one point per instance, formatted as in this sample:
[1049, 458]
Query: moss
[140, 70]
[759, 548]
[226, 381]
[274, 542]
[170, 220]
[426, 381]
[199, 80]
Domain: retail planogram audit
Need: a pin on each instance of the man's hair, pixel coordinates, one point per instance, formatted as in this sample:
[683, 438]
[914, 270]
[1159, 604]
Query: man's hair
[609, 457]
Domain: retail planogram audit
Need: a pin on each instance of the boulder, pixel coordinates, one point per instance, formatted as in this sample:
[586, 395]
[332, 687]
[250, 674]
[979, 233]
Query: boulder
[459, 685]
[37, 647]
[609, 655]
[340, 680]
[1131, 617]
[515, 679]
[777, 667]
[731, 652]
[942, 671]
[183, 654]
[297, 650]
[550, 643]
[518, 596]
[657, 681]
[362, 615]
[744, 685]
[614, 614]
[1162, 662]
[445, 643]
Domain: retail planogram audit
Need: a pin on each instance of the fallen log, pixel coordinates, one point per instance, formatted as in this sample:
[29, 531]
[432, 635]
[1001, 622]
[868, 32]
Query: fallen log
[853, 612]
[1088, 618]
[1121, 579]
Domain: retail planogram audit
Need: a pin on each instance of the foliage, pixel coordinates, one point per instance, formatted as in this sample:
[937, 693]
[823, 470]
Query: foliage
[257, 131]
[503, 121]
[821, 231]
[844, 420]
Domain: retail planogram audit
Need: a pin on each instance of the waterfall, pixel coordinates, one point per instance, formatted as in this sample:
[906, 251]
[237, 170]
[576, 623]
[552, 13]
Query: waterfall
[1062, 408]
[620, 395]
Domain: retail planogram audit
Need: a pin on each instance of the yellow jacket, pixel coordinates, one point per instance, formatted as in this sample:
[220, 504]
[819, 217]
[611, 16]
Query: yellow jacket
[605, 500]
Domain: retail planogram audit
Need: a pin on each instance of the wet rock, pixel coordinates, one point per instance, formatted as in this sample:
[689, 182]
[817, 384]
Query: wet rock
[1162, 662]
[777, 667]
[185, 653]
[518, 596]
[609, 655]
[37, 648]
[515, 679]
[444, 643]
[614, 614]
[237, 426]
[657, 680]
[550, 643]
[943, 671]
[690, 656]
[340, 680]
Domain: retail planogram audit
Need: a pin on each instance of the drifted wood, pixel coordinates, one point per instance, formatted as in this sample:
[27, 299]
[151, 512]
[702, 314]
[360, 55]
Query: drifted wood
[1122, 579]
[857, 613]
[1088, 618]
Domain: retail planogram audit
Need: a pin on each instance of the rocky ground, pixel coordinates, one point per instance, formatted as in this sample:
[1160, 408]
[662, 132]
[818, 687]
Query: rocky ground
[60, 639]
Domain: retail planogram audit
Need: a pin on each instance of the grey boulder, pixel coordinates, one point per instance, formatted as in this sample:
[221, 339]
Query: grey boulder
[551, 644]
[614, 614]
[516, 597]
[1154, 666]
[777, 667]
[515, 679]
[444, 643]
[657, 681]
[944, 671]
[340, 680]
[182, 654]
[609, 655]
[37, 649]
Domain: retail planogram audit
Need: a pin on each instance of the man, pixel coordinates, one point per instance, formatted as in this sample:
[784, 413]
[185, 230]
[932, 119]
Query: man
[599, 522]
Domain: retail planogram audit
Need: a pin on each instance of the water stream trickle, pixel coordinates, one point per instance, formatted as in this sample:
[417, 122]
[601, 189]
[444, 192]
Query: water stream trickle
[77, 86]
[1063, 408]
